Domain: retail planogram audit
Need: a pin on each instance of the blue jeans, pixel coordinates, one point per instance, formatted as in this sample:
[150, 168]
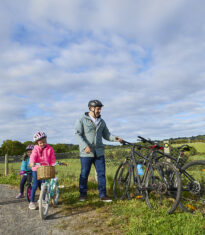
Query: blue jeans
[35, 185]
[86, 163]
[22, 183]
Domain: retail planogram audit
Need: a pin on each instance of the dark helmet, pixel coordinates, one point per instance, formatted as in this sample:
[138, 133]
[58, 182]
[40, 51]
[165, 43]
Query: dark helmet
[95, 103]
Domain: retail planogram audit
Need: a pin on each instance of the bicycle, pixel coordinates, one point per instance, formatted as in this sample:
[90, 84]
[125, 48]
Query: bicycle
[28, 185]
[155, 186]
[192, 179]
[49, 192]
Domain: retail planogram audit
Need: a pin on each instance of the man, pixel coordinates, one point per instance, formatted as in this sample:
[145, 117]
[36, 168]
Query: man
[89, 131]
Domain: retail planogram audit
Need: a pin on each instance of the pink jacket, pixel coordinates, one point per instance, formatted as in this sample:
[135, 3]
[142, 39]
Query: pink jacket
[43, 156]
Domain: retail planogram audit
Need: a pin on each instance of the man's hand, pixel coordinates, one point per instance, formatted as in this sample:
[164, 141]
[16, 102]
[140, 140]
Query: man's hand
[31, 165]
[87, 149]
[119, 139]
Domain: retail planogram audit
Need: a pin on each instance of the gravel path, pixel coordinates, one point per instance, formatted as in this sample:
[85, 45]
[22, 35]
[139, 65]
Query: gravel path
[17, 219]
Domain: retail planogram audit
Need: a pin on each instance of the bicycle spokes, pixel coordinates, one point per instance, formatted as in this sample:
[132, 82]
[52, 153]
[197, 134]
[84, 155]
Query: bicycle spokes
[121, 181]
[163, 187]
[193, 187]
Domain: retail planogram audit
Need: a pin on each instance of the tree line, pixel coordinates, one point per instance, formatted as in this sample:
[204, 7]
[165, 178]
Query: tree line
[14, 147]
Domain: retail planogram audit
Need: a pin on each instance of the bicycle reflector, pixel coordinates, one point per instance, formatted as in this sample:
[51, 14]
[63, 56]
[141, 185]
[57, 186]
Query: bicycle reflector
[191, 207]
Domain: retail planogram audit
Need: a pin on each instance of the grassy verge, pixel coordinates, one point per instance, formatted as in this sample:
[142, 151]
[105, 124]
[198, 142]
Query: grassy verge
[119, 217]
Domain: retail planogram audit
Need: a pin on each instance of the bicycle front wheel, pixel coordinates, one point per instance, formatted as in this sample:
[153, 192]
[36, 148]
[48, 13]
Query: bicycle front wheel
[44, 201]
[193, 187]
[163, 187]
[122, 181]
[55, 192]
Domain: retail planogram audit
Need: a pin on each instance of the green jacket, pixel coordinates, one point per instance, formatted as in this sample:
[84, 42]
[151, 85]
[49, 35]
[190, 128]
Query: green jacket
[88, 135]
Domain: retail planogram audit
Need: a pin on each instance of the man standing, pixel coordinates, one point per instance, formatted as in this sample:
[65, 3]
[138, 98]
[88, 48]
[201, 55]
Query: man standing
[89, 131]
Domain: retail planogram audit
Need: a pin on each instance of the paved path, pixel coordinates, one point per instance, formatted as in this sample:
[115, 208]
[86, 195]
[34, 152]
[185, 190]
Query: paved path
[17, 219]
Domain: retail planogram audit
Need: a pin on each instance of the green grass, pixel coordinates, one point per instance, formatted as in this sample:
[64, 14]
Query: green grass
[120, 217]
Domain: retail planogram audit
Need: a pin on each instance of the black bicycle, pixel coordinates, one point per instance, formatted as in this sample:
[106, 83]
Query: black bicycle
[140, 176]
[192, 179]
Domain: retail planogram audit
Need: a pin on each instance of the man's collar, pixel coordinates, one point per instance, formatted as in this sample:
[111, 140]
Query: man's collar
[87, 114]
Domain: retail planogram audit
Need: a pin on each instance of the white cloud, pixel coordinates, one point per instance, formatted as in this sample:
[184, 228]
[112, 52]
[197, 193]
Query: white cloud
[144, 61]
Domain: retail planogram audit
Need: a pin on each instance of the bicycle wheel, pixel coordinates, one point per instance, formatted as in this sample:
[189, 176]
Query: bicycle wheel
[163, 187]
[44, 201]
[28, 192]
[193, 187]
[55, 191]
[121, 181]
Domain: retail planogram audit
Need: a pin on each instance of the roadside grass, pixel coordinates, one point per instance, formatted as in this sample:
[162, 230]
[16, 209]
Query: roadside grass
[119, 217]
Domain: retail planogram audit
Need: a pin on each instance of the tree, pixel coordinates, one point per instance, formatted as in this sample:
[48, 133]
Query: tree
[60, 148]
[26, 143]
[12, 147]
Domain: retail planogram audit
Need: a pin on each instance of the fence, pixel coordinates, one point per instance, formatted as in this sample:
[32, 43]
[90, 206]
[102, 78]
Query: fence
[113, 156]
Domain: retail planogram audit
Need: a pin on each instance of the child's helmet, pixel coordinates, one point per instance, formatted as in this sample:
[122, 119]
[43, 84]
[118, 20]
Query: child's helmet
[30, 147]
[39, 135]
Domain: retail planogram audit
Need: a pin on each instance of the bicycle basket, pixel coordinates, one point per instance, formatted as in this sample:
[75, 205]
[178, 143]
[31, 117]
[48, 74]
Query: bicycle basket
[45, 172]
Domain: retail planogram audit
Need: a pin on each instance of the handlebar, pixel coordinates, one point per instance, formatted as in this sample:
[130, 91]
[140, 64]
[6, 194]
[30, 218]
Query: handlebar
[57, 163]
[146, 140]
[124, 142]
[184, 147]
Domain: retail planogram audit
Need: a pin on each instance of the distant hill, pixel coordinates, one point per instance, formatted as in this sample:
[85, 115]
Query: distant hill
[192, 139]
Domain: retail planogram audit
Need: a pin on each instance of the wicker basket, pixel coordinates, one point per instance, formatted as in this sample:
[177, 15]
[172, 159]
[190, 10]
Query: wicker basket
[45, 172]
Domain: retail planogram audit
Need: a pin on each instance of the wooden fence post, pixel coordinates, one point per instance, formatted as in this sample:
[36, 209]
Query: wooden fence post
[6, 164]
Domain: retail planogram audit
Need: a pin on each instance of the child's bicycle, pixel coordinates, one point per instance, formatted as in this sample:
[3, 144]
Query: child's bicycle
[28, 185]
[49, 192]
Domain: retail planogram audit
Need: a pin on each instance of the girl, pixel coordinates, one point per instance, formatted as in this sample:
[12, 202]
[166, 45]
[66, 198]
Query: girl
[24, 169]
[43, 154]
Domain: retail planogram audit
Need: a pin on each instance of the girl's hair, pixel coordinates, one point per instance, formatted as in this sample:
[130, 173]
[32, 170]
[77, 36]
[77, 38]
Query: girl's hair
[25, 156]
[29, 147]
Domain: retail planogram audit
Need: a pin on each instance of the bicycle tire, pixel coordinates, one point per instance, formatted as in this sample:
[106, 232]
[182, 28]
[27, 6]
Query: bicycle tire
[28, 192]
[44, 202]
[122, 181]
[55, 191]
[193, 190]
[163, 187]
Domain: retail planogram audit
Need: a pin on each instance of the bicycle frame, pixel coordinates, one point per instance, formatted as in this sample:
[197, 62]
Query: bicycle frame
[50, 184]
[177, 164]
[147, 161]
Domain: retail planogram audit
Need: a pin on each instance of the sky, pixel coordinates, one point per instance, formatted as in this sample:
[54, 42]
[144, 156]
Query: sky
[143, 59]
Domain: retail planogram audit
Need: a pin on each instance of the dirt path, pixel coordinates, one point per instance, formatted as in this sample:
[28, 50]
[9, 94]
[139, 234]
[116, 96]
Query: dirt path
[16, 218]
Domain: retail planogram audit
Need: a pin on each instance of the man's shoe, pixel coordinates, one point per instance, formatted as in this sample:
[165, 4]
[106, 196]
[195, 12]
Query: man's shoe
[82, 198]
[106, 199]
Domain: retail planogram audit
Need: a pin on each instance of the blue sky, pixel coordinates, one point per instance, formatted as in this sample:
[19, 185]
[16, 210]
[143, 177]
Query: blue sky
[144, 61]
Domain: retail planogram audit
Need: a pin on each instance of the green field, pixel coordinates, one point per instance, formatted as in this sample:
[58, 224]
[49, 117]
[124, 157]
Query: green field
[199, 146]
[119, 217]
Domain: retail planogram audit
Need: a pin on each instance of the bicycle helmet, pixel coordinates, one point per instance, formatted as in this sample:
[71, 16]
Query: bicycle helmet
[95, 103]
[39, 135]
[30, 147]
